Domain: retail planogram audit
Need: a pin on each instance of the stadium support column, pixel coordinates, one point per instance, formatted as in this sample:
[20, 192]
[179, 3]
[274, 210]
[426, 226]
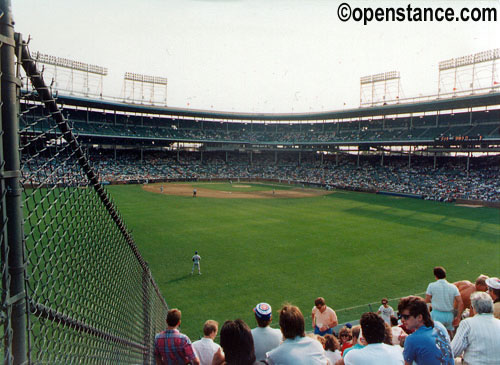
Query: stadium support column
[435, 160]
[9, 127]
[275, 157]
[357, 162]
[226, 156]
[468, 163]
[382, 158]
[409, 158]
[336, 158]
[201, 156]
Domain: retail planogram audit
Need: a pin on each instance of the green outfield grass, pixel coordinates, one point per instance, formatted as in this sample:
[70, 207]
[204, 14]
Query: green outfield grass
[351, 248]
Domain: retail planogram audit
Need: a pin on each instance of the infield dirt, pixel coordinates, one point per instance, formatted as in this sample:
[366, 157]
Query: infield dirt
[187, 190]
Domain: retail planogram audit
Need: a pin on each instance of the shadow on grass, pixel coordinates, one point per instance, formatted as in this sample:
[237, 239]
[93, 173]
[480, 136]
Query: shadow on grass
[480, 215]
[180, 278]
[438, 224]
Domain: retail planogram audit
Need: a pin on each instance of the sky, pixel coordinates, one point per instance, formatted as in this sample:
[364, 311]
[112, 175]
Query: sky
[264, 56]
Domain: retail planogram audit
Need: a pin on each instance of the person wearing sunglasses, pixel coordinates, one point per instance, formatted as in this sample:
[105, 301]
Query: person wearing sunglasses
[385, 311]
[430, 343]
[324, 318]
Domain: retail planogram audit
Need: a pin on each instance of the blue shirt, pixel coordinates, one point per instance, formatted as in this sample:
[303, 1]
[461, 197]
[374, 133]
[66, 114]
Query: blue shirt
[429, 346]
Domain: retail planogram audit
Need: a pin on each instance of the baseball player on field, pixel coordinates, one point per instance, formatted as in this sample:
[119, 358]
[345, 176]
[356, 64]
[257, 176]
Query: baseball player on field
[196, 262]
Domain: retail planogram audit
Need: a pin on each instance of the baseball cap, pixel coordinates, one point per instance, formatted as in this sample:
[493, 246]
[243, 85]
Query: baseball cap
[263, 311]
[493, 283]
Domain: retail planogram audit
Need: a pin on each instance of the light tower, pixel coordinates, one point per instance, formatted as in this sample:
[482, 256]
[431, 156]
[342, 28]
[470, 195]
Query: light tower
[71, 76]
[144, 89]
[383, 88]
[471, 74]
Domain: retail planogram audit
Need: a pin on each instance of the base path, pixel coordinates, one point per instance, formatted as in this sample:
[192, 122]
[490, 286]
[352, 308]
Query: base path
[187, 190]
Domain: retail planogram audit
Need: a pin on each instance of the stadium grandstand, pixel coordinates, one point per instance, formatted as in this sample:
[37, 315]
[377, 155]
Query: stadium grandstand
[76, 289]
[443, 149]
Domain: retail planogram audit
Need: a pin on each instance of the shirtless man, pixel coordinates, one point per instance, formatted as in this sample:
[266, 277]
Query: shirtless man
[466, 288]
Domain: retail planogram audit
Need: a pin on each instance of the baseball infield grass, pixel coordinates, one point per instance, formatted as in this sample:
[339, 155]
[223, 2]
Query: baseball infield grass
[351, 248]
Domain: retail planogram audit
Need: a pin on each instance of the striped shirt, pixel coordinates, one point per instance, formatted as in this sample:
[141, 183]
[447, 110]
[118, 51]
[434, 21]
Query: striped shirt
[173, 347]
[479, 339]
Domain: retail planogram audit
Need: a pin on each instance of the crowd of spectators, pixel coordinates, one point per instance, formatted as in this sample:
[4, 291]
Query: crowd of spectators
[415, 335]
[446, 182]
[483, 124]
[350, 133]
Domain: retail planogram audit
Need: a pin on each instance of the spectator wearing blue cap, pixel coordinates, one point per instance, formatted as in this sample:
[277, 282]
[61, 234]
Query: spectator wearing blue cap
[265, 338]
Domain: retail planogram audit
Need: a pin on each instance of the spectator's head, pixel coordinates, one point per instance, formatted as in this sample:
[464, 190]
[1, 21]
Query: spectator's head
[384, 301]
[373, 327]
[320, 304]
[414, 312]
[291, 321]
[494, 288]
[174, 317]
[331, 343]
[320, 339]
[481, 283]
[210, 328]
[439, 272]
[355, 333]
[394, 321]
[481, 302]
[237, 343]
[263, 314]
[345, 335]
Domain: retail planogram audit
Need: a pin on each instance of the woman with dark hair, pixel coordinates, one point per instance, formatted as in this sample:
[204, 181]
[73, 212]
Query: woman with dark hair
[237, 343]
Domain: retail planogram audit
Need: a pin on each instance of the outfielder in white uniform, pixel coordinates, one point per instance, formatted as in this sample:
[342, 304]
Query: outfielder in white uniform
[196, 262]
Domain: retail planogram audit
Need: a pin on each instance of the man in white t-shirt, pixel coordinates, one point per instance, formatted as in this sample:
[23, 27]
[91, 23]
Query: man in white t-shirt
[206, 348]
[324, 318]
[376, 352]
[296, 348]
[265, 338]
[196, 263]
[385, 311]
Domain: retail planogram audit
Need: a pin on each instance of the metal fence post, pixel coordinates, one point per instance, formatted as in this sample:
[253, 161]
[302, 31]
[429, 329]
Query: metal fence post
[9, 89]
[146, 309]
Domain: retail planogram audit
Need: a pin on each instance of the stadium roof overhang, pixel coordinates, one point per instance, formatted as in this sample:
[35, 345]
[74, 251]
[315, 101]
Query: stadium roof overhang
[393, 109]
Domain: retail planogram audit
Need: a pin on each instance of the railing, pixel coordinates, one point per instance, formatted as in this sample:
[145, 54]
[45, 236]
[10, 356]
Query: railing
[74, 285]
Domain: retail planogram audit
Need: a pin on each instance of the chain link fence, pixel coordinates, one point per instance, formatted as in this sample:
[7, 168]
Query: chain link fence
[88, 296]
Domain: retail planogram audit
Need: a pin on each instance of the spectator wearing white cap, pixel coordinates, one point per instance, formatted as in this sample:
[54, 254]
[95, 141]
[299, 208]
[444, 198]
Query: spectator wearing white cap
[478, 338]
[494, 291]
[265, 338]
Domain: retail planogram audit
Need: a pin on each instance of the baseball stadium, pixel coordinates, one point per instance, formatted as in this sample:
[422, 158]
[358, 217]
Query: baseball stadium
[105, 200]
